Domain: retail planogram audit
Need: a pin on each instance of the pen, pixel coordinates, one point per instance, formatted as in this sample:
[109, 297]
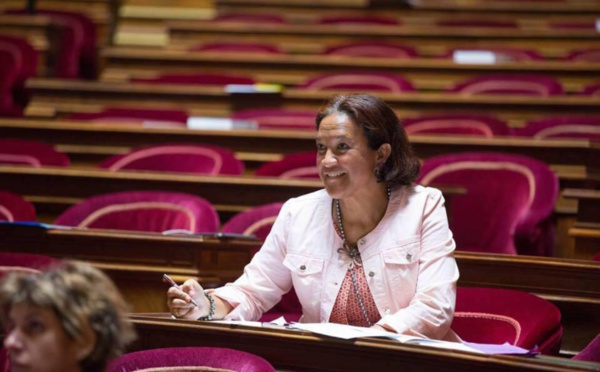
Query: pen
[167, 279]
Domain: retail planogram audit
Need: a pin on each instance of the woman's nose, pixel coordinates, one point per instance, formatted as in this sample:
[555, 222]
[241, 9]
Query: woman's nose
[12, 340]
[329, 158]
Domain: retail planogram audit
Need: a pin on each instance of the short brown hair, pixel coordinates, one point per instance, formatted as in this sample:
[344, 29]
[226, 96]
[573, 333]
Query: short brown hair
[380, 125]
[80, 296]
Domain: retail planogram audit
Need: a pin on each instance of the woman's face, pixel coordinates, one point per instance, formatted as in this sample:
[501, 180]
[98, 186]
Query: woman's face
[345, 162]
[37, 342]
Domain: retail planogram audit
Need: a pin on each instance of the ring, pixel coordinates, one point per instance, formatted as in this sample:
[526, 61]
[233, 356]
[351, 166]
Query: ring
[176, 313]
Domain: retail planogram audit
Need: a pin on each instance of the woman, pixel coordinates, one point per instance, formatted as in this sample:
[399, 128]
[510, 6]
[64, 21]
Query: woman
[70, 318]
[372, 249]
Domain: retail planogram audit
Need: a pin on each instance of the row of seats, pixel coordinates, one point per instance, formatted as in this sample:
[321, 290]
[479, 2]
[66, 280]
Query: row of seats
[575, 126]
[522, 203]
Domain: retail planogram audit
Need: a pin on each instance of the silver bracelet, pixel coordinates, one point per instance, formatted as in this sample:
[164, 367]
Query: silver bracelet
[212, 308]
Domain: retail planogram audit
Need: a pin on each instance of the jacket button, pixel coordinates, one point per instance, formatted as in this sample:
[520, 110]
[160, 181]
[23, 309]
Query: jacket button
[303, 267]
[362, 241]
[371, 274]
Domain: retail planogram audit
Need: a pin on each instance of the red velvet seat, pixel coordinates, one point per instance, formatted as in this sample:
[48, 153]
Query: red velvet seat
[278, 118]
[503, 54]
[300, 165]
[359, 80]
[139, 117]
[143, 211]
[14, 208]
[24, 262]
[237, 48]
[180, 158]
[10, 70]
[584, 55]
[202, 358]
[534, 85]
[249, 18]
[591, 90]
[496, 316]
[477, 23]
[197, 79]
[574, 126]
[31, 153]
[358, 20]
[28, 66]
[459, 124]
[508, 202]
[591, 353]
[371, 49]
[76, 55]
[258, 221]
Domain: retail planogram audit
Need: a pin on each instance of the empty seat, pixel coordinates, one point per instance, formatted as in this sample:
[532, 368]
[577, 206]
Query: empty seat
[190, 359]
[585, 55]
[181, 158]
[24, 262]
[10, 69]
[591, 90]
[371, 49]
[31, 153]
[359, 80]
[237, 48]
[496, 316]
[278, 118]
[477, 23]
[14, 208]
[591, 353]
[249, 18]
[143, 211]
[503, 54]
[460, 124]
[28, 66]
[301, 165]
[534, 85]
[508, 202]
[358, 20]
[196, 79]
[572, 126]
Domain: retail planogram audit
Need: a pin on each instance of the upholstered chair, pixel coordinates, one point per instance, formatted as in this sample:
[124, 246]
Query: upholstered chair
[14, 208]
[459, 124]
[30, 153]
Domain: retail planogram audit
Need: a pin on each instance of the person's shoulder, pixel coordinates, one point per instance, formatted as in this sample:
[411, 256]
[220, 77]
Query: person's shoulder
[420, 192]
[312, 198]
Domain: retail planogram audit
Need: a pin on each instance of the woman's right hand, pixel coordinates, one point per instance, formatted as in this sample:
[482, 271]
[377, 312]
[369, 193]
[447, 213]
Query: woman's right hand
[180, 303]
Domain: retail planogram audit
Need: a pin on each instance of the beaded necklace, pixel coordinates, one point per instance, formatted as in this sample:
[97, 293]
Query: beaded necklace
[354, 254]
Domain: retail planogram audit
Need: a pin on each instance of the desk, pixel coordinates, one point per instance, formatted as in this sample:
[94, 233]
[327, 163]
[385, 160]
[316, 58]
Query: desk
[303, 351]
[136, 261]
[425, 73]
[586, 229]
[69, 96]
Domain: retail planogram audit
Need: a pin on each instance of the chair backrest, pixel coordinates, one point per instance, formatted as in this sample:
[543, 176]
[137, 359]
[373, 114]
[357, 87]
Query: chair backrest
[574, 126]
[507, 23]
[359, 80]
[31, 153]
[573, 25]
[237, 48]
[143, 117]
[591, 90]
[534, 85]
[507, 197]
[585, 55]
[503, 54]
[591, 353]
[279, 118]
[257, 221]
[10, 70]
[197, 79]
[143, 211]
[300, 165]
[190, 359]
[496, 316]
[14, 208]
[24, 262]
[29, 56]
[358, 20]
[182, 158]
[460, 124]
[249, 18]
[371, 49]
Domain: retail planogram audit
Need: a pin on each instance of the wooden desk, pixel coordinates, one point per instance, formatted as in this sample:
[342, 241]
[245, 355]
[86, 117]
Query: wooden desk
[77, 96]
[586, 229]
[298, 38]
[136, 261]
[304, 351]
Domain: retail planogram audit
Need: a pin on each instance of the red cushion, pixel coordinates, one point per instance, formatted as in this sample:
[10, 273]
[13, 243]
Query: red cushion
[32, 153]
[14, 208]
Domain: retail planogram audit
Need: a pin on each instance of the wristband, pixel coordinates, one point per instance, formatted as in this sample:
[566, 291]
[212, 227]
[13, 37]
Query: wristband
[211, 313]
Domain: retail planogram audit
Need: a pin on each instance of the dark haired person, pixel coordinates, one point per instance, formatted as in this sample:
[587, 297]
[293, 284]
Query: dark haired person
[70, 318]
[372, 249]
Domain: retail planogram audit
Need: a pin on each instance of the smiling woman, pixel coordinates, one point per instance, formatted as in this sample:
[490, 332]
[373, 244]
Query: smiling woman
[70, 318]
[372, 249]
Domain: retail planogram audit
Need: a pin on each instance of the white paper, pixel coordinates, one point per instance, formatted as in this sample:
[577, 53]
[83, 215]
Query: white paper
[208, 123]
[479, 57]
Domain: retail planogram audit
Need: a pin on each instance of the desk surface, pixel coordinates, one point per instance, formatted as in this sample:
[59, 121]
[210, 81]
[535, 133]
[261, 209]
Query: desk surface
[299, 350]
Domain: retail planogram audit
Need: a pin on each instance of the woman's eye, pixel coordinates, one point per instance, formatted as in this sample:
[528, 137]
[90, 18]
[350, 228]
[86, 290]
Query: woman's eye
[320, 147]
[343, 146]
[35, 327]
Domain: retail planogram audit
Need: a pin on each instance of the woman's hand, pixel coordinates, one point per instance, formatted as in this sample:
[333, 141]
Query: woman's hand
[179, 301]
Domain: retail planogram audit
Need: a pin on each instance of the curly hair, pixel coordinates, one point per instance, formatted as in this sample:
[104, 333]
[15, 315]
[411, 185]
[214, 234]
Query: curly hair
[380, 125]
[81, 296]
